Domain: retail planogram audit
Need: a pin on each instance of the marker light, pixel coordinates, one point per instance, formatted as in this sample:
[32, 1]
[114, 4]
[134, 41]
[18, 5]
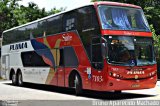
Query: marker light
[152, 73]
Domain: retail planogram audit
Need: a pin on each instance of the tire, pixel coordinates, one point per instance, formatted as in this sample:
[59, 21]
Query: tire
[118, 92]
[78, 85]
[20, 79]
[14, 79]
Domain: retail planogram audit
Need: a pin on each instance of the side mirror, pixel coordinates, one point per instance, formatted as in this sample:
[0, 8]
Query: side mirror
[104, 48]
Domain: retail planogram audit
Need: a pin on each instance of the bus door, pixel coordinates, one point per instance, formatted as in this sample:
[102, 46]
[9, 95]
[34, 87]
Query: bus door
[68, 62]
[60, 68]
[5, 63]
[97, 63]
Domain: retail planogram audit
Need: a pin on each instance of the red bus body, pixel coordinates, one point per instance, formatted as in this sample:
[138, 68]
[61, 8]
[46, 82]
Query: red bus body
[101, 80]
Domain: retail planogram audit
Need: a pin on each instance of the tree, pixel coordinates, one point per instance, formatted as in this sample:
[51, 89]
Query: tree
[27, 14]
[6, 14]
[12, 14]
[153, 17]
[54, 10]
[156, 39]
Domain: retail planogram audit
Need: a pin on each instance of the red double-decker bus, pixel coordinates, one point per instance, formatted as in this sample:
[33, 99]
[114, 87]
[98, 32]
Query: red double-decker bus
[102, 46]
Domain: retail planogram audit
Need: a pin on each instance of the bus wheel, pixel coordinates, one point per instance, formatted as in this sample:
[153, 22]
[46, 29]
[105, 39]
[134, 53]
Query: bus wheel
[78, 85]
[14, 79]
[20, 79]
[118, 92]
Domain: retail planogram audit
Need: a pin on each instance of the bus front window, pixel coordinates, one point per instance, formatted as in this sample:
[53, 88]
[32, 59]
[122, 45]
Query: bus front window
[121, 50]
[144, 51]
[122, 18]
[130, 51]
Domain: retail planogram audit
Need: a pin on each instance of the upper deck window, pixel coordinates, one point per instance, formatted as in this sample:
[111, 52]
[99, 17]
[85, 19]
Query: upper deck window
[122, 18]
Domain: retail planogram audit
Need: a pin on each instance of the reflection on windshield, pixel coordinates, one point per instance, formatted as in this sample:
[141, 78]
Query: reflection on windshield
[144, 53]
[122, 18]
[130, 50]
[120, 49]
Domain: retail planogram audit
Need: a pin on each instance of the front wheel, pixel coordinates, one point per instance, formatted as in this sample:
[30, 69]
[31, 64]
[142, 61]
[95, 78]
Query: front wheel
[78, 85]
[20, 79]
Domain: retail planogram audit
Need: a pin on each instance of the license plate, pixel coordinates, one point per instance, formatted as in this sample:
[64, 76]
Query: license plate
[135, 85]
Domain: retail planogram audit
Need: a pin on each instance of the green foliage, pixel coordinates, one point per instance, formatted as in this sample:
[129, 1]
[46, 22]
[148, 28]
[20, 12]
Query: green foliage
[12, 14]
[156, 39]
[27, 14]
[153, 17]
[0, 78]
[54, 11]
[6, 14]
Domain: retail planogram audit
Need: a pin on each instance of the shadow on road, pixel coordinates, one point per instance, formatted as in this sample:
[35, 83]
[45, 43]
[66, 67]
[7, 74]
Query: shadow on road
[86, 93]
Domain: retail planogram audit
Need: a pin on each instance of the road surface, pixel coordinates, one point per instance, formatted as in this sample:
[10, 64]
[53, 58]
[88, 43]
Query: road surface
[43, 92]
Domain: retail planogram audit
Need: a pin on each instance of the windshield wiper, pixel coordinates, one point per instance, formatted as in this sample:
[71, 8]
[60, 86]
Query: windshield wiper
[118, 62]
[146, 64]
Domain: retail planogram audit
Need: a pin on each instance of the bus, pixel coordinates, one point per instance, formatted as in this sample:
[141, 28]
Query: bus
[101, 46]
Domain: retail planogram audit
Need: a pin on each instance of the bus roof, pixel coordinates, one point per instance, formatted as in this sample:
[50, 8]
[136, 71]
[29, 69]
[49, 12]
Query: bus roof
[92, 3]
[116, 4]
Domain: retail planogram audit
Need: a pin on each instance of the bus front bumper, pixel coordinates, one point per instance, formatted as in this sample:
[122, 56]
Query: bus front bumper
[117, 84]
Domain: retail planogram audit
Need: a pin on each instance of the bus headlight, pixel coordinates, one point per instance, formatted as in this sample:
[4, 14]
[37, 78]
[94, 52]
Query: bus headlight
[115, 75]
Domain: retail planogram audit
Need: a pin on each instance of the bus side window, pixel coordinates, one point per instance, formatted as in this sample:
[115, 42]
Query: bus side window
[32, 59]
[87, 26]
[87, 19]
[26, 58]
[68, 57]
[61, 62]
[40, 29]
[54, 25]
[69, 21]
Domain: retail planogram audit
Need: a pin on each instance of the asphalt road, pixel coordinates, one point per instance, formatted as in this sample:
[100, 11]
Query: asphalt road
[43, 92]
[42, 95]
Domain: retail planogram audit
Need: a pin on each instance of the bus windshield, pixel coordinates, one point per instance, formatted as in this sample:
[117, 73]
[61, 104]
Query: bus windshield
[122, 18]
[130, 51]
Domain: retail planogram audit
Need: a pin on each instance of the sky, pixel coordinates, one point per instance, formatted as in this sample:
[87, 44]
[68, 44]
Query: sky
[49, 4]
